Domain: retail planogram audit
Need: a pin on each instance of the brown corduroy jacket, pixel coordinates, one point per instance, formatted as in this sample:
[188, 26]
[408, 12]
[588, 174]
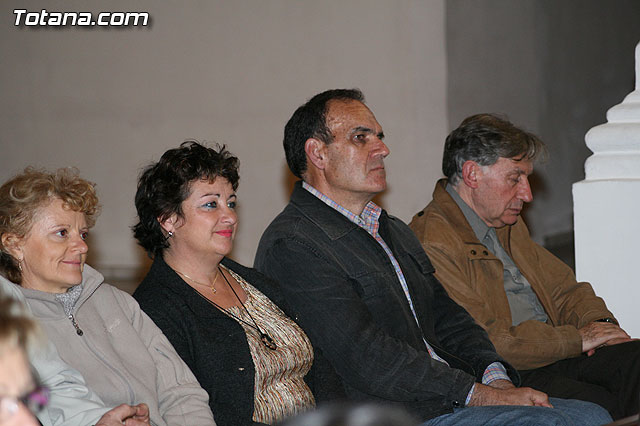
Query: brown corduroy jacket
[473, 277]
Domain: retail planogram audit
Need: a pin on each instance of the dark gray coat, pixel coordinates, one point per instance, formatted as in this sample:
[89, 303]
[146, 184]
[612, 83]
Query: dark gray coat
[344, 292]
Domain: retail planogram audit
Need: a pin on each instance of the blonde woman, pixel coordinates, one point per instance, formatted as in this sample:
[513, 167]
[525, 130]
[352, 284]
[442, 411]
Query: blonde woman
[97, 329]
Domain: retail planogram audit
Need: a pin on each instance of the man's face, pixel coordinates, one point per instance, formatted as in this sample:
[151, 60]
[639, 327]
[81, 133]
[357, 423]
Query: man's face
[355, 166]
[502, 190]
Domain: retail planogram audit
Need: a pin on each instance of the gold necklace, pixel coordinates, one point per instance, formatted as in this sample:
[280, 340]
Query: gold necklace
[266, 340]
[211, 286]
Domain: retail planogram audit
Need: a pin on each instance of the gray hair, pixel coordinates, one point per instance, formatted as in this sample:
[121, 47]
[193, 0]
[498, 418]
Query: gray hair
[484, 138]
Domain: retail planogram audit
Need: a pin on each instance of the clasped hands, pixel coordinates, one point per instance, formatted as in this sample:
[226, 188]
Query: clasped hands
[598, 334]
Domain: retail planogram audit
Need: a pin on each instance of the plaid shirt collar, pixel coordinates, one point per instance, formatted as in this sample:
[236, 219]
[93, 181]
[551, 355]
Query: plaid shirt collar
[368, 219]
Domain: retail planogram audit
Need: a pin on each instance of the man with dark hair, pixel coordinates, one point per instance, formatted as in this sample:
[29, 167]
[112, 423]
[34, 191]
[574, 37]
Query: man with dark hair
[361, 286]
[309, 121]
[554, 330]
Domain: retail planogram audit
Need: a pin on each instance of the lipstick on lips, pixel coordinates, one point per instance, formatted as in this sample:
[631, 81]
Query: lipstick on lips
[225, 233]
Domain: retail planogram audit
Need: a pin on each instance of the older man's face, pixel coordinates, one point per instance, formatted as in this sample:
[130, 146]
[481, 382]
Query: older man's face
[502, 190]
[356, 155]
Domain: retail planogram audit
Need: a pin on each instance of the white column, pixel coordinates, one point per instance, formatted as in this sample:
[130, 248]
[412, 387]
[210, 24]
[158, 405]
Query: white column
[606, 207]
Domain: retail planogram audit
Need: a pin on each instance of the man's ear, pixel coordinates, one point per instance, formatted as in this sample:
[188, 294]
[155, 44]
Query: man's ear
[316, 151]
[470, 173]
[12, 244]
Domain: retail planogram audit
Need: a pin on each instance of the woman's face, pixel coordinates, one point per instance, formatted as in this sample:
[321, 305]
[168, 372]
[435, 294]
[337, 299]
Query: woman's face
[54, 251]
[15, 382]
[209, 223]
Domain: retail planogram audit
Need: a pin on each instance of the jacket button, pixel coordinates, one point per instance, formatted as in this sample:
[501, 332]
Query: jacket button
[455, 404]
[420, 213]
[241, 369]
[473, 252]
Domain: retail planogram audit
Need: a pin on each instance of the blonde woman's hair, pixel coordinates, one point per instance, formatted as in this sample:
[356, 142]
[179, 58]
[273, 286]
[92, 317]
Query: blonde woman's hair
[22, 196]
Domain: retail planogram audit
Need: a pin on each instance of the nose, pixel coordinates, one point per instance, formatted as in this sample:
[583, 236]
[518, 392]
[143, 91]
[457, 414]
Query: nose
[80, 245]
[382, 149]
[524, 190]
[229, 216]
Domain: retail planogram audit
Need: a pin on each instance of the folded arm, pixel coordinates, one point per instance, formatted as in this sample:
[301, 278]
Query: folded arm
[530, 344]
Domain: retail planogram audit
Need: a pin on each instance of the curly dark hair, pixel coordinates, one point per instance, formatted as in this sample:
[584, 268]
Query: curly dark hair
[163, 186]
[484, 138]
[309, 121]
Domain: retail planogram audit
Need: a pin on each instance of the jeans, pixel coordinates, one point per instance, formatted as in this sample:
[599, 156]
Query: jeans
[566, 412]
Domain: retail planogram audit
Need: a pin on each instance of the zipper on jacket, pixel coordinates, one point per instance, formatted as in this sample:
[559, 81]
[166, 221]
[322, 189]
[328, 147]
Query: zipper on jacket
[100, 356]
[79, 331]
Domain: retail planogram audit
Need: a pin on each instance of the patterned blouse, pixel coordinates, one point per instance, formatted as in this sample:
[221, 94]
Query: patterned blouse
[279, 387]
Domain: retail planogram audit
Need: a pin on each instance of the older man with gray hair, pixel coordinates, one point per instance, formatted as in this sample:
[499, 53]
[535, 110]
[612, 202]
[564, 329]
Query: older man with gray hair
[554, 330]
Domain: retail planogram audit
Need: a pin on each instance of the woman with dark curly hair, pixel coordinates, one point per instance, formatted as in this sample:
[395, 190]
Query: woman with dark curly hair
[97, 329]
[224, 319]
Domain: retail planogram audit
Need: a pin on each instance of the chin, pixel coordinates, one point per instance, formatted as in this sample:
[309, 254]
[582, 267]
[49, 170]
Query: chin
[72, 280]
[224, 251]
[378, 188]
[510, 221]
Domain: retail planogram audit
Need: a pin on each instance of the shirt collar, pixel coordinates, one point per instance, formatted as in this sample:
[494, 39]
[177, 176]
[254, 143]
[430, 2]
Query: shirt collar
[69, 299]
[480, 228]
[368, 219]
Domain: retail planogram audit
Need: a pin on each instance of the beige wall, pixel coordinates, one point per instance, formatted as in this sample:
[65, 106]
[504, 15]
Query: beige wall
[110, 101]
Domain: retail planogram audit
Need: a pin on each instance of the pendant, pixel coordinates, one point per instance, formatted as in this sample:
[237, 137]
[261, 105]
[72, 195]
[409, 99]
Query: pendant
[268, 341]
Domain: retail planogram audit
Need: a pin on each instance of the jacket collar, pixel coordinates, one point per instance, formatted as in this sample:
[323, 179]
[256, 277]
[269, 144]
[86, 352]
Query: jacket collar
[458, 221]
[332, 222]
[49, 307]
[162, 275]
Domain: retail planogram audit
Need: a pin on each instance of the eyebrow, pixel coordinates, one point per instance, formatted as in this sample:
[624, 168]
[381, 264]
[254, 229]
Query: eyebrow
[60, 225]
[209, 194]
[518, 171]
[363, 129]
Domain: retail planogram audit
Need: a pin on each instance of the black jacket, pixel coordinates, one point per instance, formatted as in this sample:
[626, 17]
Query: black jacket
[215, 346]
[344, 292]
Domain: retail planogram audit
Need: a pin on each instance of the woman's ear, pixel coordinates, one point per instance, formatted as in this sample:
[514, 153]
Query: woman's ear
[169, 224]
[12, 244]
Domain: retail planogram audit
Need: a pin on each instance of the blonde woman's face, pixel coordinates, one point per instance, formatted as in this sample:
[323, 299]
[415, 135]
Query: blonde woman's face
[54, 251]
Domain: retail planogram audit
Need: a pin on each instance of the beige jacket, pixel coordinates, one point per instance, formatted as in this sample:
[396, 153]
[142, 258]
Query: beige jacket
[473, 277]
[122, 354]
